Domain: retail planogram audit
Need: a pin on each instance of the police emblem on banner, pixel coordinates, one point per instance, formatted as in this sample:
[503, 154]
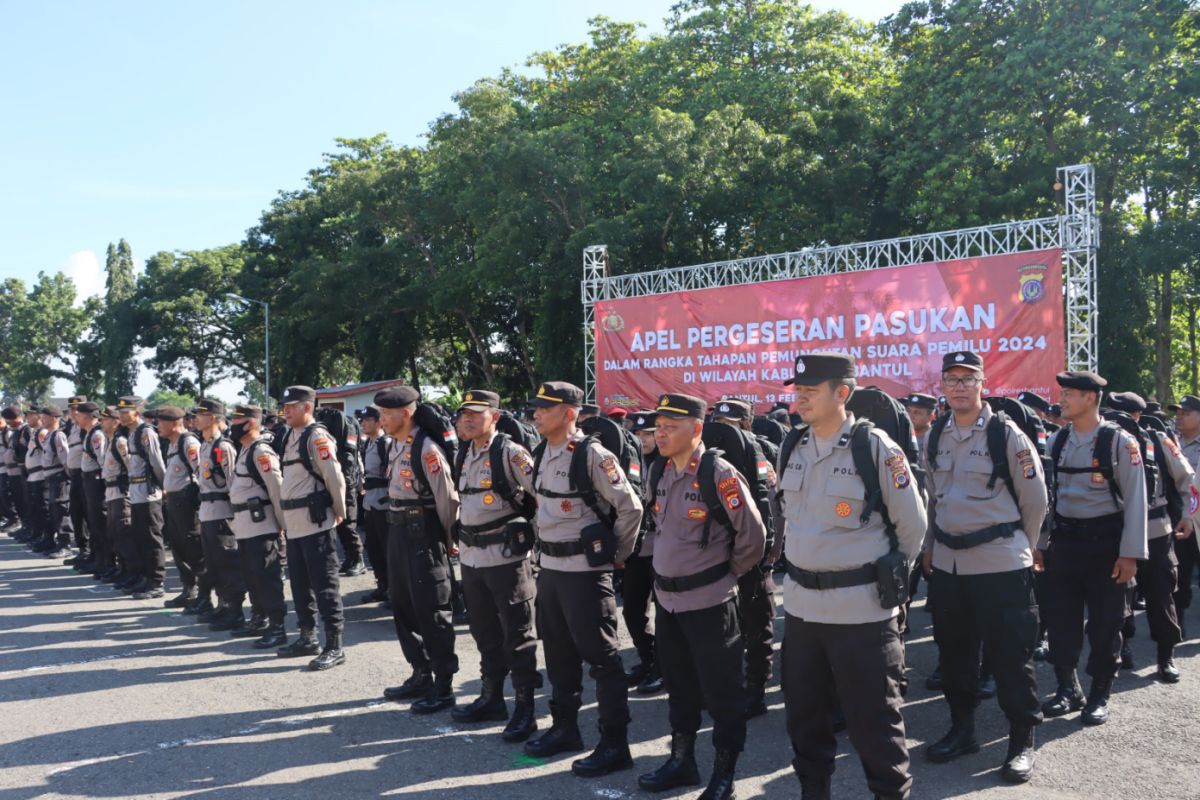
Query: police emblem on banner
[612, 322]
[1031, 277]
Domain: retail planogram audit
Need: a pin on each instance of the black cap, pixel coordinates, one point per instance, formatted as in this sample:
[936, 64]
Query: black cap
[51, 410]
[919, 400]
[248, 411]
[559, 393]
[1034, 401]
[679, 406]
[1189, 402]
[169, 413]
[108, 412]
[88, 407]
[780, 415]
[208, 405]
[1153, 406]
[75, 400]
[150, 415]
[814, 368]
[271, 419]
[11, 412]
[368, 412]
[1055, 410]
[645, 420]
[732, 408]
[962, 358]
[1127, 402]
[479, 399]
[298, 394]
[589, 408]
[1086, 381]
[396, 397]
[130, 402]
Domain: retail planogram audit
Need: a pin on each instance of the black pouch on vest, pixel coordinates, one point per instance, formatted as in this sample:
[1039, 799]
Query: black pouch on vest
[891, 579]
[255, 506]
[193, 495]
[518, 538]
[317, 503]
[599, 544]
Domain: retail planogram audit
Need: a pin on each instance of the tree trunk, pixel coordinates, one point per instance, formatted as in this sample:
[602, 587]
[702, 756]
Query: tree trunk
[1162, 336]
[485, 363]
[414, 379]
[1193, 384]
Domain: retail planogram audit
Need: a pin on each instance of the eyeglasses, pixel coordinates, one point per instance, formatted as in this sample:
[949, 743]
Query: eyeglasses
[970, 382]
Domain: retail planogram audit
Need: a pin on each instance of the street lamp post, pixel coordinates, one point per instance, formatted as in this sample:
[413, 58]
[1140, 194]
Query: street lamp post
[266, 341]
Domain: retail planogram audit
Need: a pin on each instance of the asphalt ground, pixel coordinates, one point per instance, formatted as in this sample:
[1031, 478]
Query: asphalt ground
[104, 696]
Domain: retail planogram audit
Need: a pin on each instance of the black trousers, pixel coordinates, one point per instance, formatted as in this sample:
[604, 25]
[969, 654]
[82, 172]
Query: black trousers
[1157, 577]
[700, 653]
[222, 564]
[859, 668]
[35, 501]
[419, 575]
[119, 523]
[1187, 553]
[93, 498]
[1079, 577]
[577, 619]
[501, 622]
[7, 509]
[262, 567]
[182, 526]
[78, 504]
[313, 573]
[756, 609]
[347, 532]
[375, 526]
[148, 533]
[636, 590]
[16, 492]
[999, 610]
[58, 509]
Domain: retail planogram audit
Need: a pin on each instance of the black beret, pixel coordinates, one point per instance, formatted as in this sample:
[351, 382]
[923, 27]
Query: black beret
[248, 411]
[962, 358]
[1126, 401]
[815, 368]
[780, 415]
[130, 402]
[150, 414]
[679, 406]
[11, 412]
[645, 421]
[1034, 401]
[560, 393]
[108, 412]
[919, 400]
[396, 397]
[169, 413]
[207, 405]
[1189, 402]
[368, 412]
[733, 408]
[1153, 406]
[51, 410]
[88, 407]
[1084, 380]
[1055, 410]
[479, 398]
[298, 394]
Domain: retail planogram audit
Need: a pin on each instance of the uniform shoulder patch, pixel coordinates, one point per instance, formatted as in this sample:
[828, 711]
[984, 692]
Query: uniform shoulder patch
[97, 440]
[612, 470]
[264, 462]
[897, 464]
[433, 464]
[1025, 457]
[193, 452]
[1135, 454]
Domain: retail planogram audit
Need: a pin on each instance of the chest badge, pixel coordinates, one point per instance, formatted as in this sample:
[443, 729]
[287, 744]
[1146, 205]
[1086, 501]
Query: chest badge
[488, 499]
[697, 513]
[566, 506]
[842, 509]
[485, 483]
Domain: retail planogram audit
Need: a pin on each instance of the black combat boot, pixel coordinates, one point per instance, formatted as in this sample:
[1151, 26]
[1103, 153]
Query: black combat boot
[958, 741]
[610, 755]
[153, 591]
[331, 656]
[1018, 762]
[255, 628]
[756, 704]
[563, 736]
[680, 767]
[212, 613]
[181, 600]
[488, 707]
[720, 785]
[635, 674]
[1167, 671]
[1127, 656]
[233, 619]
[815, 787]
[1096, 710]
[305, 645]
[1069, 696]
[652, 681]
[416, 686]
[439, 697]
[274, 636]
[523, 722]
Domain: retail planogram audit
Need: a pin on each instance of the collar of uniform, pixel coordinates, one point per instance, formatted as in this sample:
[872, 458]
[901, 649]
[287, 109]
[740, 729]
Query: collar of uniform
[980, 423]
[1184, 441]
[842, 436]
[1084, 438]
[568, 445]
[693, 465]
[475, 451]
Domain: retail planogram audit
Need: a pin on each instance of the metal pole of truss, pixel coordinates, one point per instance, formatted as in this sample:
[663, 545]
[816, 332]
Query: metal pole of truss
[1080, 239]
[592, 287]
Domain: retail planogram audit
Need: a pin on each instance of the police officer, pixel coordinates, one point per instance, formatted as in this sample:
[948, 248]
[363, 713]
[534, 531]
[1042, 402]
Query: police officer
[638, 584]
[14, 465]
[843, 643]
[35, 484]
[118, 513]
[1157, 576]
[254, 496]
[313, 499]
[55, 452]
[922, 410]
[980, 555]
[756, 588]
[375, 500]
[576, 605]
[699, 560]
[77, 503]
[1041, 406]
[182, 503]
[1187, 424]
[143, 458]
[8, 515]
[496, 536]
[91, 465]
[423, 510]
[1097, 536]
[222, 565]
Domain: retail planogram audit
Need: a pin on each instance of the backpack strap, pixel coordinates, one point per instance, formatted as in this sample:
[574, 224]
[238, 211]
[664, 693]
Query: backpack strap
[785, 455]
[581, 480]
[251, 449]
[1102, 452]
[935, 436]
[868, 471]
[527, 506]
[706, 476]
[305, 456]
[417, 460]
[181, 453]
[996, 434]
[135, 448]
[87, 441]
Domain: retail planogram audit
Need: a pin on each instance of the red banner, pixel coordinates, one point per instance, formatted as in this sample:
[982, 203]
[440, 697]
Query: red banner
[897, 323]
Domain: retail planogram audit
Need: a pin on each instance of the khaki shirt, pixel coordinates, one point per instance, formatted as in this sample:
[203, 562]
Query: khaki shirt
[243, 486]
[439, 491]
[141, 489]
[179, 475]
[961, 502]
[112, 468]
[680, 515]
[1086, 495]
[99, 443]
[298, 484]
[1179, 472]
[54, 454]
[481, 506]
[1191, 451]
[33, 454]
[562, 519]
[214, 474]
[376, 466]
[75, 446]
[822, 499]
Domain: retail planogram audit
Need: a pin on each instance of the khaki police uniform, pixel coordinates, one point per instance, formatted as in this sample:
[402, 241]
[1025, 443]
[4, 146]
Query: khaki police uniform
[91, 471]
[1187, 551]
[119, 513]
[146, 472]
[259, 540]
[181, 506]
[55, 452]
[637, 586]
[77, 500]
[222, 571]
[35, 486]
[375, 505]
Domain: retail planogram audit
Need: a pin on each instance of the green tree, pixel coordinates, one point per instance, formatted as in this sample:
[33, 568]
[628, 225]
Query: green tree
[117, 326]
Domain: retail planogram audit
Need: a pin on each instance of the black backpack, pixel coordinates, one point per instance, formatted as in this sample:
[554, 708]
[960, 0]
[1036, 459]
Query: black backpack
[346, 432]
[527, 505]
[1145, 445]
[135, 448]
[621, 443]
[996, 437]
[432, 423]
[608, 435]
[1102, 462]
[886, 413]
[1155, 428]
[769, 429]
[520, 432]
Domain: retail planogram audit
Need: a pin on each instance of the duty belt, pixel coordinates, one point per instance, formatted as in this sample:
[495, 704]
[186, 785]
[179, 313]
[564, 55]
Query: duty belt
[688, 582]
[1092, 529]
[52, 472]
[32, 470]
[138, 479]
[121, 482]
[372, 482]
[213, 497]
[1157, 513]
[487, 534]
[396, 504]
[956, 541]
[839, 579]
[239, 507]
[561, 549]
[302, 502]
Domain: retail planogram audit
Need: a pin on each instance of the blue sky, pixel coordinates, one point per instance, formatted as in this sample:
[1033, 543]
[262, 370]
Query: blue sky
[173, 125]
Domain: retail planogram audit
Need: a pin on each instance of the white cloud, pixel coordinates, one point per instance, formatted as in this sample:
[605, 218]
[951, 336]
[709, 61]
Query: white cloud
[84, 269]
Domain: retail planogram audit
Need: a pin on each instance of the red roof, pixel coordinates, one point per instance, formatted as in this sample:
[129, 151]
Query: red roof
[357, 388]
